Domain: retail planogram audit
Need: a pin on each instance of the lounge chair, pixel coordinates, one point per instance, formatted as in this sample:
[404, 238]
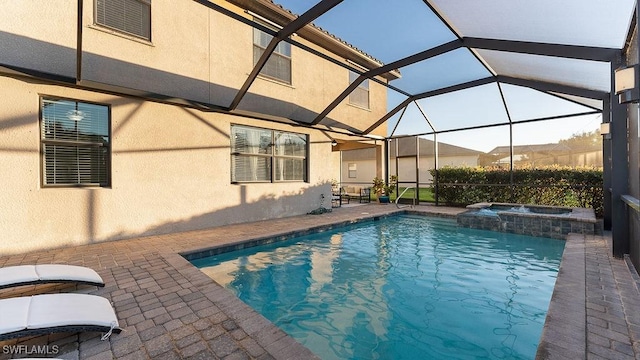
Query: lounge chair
[11, 276]
[50, 313]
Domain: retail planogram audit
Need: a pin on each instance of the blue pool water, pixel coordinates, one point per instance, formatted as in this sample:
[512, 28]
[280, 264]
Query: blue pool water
[403, 287]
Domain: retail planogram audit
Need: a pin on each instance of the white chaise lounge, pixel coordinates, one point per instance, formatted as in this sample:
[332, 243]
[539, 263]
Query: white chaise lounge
[49, 313]
[11, 276]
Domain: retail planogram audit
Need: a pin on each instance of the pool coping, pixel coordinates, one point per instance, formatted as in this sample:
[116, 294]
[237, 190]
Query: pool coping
[564, 330]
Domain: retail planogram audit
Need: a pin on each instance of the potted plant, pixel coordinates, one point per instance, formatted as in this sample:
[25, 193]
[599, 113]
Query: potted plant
[384, 190]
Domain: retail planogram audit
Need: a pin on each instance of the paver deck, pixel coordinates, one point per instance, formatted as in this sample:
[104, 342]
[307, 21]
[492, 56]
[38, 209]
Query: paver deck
[171, 310]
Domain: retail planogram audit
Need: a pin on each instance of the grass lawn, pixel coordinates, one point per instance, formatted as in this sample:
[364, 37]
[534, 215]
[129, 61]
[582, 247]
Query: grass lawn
[426, 194]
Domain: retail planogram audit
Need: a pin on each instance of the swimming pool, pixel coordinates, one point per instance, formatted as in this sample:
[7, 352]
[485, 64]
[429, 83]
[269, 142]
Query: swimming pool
[403, 287]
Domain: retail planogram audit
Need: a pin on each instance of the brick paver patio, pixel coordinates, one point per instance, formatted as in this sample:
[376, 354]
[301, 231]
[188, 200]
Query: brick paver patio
[171, 310]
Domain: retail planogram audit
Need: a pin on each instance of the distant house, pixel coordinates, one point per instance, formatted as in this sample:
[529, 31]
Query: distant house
[359, 166]
[544, 155]
[402, 152]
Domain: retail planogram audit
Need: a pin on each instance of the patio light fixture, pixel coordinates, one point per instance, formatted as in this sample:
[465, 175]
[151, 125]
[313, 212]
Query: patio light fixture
[605, 130]
[626, 84]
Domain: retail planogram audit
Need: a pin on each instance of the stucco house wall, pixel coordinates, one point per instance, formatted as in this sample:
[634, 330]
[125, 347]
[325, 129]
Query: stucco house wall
[363, 161]
[170, 172]
[170, 165]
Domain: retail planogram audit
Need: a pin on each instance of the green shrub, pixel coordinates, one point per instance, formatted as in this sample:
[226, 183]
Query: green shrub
[548, 186]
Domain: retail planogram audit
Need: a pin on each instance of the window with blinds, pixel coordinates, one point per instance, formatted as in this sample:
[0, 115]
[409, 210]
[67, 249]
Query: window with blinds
[352, 170]
[75, 143]
[261, 155]
[278, 66]
[359, 96]
[130, 16]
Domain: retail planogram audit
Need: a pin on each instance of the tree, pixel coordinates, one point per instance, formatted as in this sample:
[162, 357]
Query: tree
[584, 140]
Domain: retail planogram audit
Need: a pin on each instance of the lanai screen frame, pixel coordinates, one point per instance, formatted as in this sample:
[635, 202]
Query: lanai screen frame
[616, 171]
[612, 111]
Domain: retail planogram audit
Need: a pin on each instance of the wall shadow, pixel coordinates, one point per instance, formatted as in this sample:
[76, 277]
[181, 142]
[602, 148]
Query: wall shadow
[268, 206]
[104, 73]
[30, 62]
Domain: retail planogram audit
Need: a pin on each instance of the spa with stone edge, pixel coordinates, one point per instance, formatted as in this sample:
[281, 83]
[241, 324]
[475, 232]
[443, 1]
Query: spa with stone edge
[534, 220]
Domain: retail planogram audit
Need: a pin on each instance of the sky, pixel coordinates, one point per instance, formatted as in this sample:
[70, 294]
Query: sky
[410, 27]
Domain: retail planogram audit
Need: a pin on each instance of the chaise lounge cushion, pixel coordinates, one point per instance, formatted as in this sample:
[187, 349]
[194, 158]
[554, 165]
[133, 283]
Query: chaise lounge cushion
[34, 274]
[352, 190]
[48, 313]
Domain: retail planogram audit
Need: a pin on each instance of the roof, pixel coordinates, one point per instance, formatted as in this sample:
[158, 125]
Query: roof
[407, 147]
[519, 149]
[542, 148]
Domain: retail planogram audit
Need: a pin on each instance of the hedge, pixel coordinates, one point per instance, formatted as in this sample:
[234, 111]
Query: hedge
[549, 186]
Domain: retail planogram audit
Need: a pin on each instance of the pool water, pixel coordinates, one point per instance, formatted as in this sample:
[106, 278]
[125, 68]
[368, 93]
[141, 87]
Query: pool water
[403, 287]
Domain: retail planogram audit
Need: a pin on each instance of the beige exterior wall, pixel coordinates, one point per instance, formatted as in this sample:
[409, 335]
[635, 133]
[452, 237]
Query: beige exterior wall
[170, 172]
[170, 168]
[39, 35]
[368, 163]
[365, 172]
[176, 62]
[195, 53]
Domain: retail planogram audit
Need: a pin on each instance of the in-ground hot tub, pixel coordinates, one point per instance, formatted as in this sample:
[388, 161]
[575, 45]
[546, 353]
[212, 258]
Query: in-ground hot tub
[535, 220]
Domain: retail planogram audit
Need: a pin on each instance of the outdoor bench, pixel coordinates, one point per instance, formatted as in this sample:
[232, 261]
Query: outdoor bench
[355, 192]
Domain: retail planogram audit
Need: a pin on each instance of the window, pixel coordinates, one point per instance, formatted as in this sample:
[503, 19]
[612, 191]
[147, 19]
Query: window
[352, 170]
[359, 96]
[262, 155]
[130, 16]
[75, 143]
[278, 66]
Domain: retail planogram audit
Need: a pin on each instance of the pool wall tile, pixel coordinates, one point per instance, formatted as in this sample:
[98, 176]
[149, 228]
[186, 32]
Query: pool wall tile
[217, 250]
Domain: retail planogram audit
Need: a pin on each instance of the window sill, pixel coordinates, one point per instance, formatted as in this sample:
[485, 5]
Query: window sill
[120, 34]
[359, 107]
[275, 81]
[269, 182]
[75, 186]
